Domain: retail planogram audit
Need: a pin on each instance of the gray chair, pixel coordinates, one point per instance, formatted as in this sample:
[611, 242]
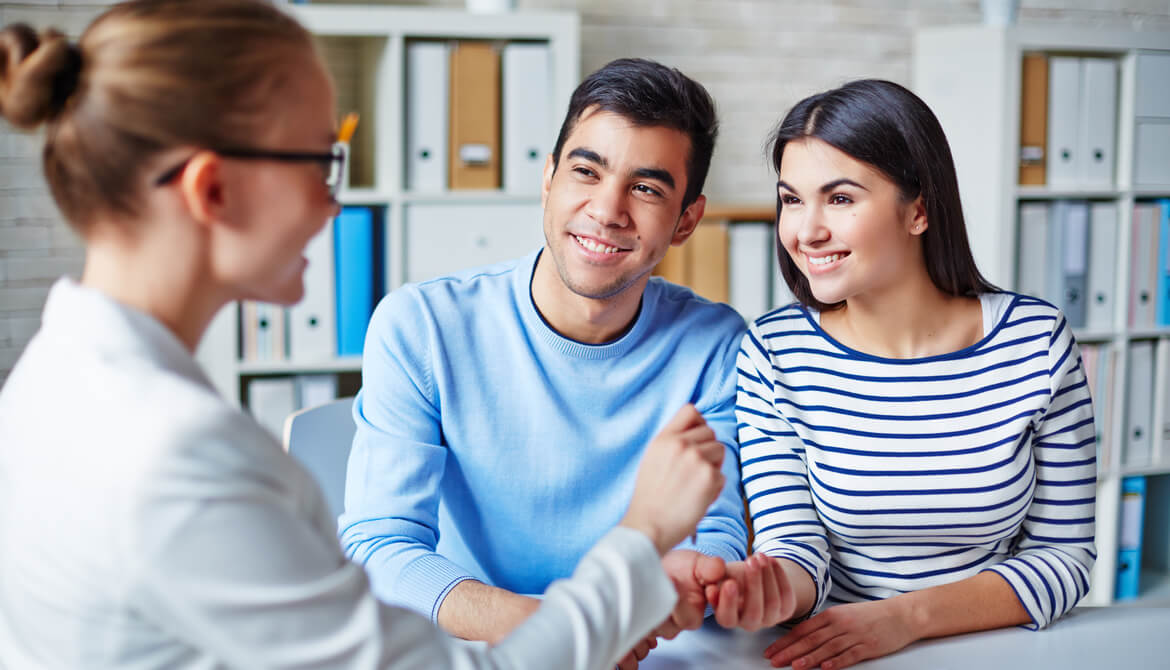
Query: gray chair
[320, 437]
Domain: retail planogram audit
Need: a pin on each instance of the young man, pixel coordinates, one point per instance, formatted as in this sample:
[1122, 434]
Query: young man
[505, 409]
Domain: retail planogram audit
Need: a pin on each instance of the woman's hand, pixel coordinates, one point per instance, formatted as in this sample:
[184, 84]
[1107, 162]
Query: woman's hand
[755, 594]
[760, 592]
[844, 635]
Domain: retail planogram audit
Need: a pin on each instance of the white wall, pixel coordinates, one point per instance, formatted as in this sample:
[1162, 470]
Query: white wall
[757, 57]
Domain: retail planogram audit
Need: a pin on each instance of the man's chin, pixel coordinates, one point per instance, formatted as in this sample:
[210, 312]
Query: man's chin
[596, 291]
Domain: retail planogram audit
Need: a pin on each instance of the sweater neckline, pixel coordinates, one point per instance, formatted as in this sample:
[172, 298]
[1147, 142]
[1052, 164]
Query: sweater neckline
[813, 318]
[535, 321]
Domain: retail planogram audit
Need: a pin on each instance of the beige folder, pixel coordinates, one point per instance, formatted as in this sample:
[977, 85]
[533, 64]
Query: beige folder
[701, 262]
[708, 249]
[1034, 120]
[474, 146]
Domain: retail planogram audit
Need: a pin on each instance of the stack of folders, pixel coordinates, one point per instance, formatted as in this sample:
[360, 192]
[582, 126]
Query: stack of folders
[343, 282]
[272, 399]
[1139, 429]
[1149, 296]
[731, 262]
[1068, 121]
[755, 285]
[478, 115]
[263, 333]
[1129, 553]
[1067, 256]
[1100, 365]
[1152, 121]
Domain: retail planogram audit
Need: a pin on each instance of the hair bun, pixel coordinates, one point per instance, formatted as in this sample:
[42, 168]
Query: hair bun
[38, 73]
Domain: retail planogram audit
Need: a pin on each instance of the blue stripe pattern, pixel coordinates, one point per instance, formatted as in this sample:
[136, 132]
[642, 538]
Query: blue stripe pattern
[881, 476]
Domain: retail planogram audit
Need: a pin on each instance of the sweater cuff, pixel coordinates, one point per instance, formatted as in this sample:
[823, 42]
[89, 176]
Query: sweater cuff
[425, 583]
[719, 550]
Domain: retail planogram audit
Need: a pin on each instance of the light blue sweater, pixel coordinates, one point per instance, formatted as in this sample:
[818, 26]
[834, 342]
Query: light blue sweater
[490, 447]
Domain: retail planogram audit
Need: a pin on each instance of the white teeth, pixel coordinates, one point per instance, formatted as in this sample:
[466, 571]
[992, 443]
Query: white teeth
[595, 247]
[825, 260]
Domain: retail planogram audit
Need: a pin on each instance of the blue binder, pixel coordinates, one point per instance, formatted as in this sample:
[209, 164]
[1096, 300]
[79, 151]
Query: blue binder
[1163, 272]
[354, 249]
[1129, 554]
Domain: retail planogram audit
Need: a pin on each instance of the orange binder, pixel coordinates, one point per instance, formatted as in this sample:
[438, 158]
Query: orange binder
[1034, 119]
[474, 146]
[707, 261]
[673, 266]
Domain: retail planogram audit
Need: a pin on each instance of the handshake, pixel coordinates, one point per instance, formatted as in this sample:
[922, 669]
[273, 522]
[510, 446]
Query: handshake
[678, 479]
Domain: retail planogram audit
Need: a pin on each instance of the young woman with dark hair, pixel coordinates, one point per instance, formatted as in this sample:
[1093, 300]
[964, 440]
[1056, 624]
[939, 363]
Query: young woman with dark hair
[144, 522]
[917, 446]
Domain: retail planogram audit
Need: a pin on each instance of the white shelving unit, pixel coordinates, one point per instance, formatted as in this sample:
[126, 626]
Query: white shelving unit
[365, 48]
[971, 77]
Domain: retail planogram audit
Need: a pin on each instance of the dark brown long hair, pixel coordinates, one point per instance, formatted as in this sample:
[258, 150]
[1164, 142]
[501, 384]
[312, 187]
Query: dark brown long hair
[889, 128]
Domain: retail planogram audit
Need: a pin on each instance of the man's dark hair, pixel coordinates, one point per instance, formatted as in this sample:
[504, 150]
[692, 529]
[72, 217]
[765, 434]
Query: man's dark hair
[650, 94]
[889, 128]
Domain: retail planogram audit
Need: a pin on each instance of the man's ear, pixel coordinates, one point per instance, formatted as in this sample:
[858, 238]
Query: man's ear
[202, 188]
[546, 180]
[689, 220]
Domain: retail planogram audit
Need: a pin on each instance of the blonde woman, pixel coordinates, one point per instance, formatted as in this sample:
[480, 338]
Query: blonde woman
[145, 523]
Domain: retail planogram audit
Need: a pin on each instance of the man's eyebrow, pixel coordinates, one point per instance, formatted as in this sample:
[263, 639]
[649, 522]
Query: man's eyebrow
[827, 187]
[657, 174]
[589, 155]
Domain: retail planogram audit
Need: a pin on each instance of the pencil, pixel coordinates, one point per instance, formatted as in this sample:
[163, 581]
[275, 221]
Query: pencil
[347, 127]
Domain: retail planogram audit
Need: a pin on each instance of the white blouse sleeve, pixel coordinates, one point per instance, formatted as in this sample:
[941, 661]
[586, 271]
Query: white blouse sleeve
[233, 560]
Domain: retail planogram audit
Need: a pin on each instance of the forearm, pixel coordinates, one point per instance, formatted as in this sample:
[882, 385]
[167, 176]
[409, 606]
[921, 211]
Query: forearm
[475, 611]
[618, 593]
[804, 589]
[722, 532]
[981, 602]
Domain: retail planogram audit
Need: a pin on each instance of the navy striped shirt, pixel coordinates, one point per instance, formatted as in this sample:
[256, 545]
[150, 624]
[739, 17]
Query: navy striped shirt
[881, 476]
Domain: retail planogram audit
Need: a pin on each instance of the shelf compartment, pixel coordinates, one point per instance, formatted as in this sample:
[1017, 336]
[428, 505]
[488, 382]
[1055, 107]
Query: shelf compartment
[356, 63]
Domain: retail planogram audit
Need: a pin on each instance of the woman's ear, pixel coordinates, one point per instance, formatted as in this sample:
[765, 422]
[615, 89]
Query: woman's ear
[916, 217]
[202, 188]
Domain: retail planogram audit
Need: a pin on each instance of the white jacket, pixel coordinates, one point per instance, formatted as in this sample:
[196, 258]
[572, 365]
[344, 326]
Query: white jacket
[145, 523]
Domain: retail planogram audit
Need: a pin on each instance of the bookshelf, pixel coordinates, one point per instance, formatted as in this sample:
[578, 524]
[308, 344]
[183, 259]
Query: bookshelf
[419, 227]
[974, 78]
[731, 258]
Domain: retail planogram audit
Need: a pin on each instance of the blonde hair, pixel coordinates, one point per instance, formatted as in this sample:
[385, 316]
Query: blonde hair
[146, 76]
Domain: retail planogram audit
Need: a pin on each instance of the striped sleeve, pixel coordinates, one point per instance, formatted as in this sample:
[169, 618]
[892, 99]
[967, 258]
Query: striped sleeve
[775, 479]
[1049, 569]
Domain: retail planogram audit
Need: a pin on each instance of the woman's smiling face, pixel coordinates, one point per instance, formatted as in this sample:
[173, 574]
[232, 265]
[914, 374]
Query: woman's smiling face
[845, 224]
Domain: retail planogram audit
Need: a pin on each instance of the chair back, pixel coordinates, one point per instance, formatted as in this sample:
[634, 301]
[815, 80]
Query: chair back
[320, 437]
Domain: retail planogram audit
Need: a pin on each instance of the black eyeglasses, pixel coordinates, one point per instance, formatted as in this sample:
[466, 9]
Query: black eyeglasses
[332, 163]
